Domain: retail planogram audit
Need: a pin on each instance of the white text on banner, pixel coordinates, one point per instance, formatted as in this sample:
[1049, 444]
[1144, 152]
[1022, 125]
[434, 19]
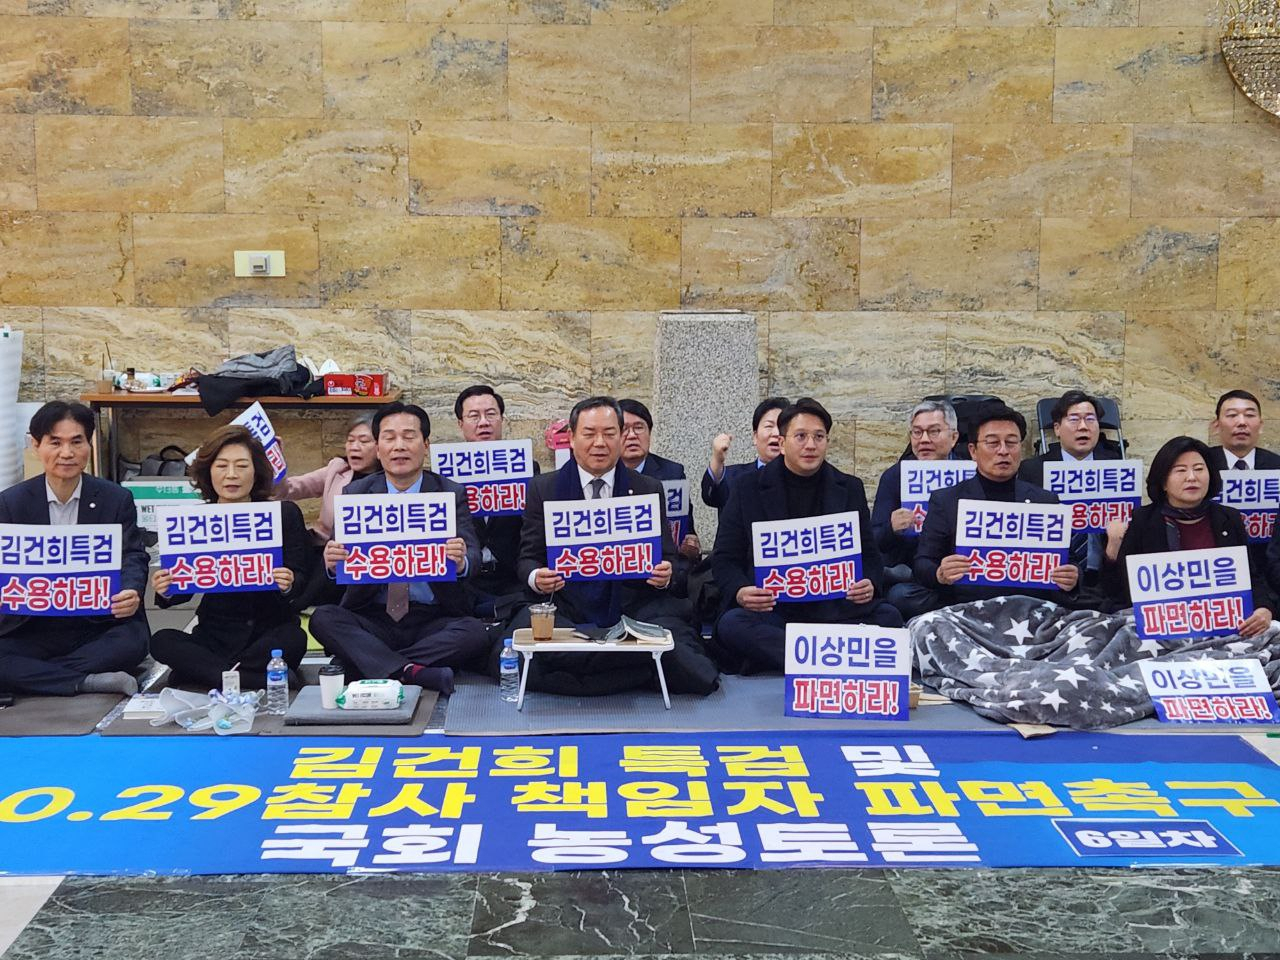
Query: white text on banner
[220, 547]
[394, 537]
[58, 570]
[615, 538]
[495, 473]
[813, 558]
[1190, 593]
[1013, 544]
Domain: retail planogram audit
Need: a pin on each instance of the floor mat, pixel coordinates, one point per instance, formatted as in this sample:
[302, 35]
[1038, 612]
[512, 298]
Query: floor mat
[56, 716]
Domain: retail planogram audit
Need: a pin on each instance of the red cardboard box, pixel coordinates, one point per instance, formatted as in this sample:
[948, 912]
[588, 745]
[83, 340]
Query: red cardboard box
[355, 384]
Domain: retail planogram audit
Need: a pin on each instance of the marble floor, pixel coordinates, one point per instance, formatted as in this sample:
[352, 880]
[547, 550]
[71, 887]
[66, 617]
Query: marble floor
[884, 914]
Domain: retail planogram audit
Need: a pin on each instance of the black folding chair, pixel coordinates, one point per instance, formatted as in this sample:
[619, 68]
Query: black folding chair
[1110, 421]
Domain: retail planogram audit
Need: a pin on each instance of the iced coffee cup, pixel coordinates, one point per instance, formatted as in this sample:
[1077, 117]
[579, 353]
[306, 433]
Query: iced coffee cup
[542, 618]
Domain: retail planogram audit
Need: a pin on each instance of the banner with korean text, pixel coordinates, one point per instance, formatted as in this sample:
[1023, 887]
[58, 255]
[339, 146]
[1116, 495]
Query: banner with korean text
[55, 571]
[814, 558]
[220, 547]
[844, 798]
[1013, 544]
[854, 671]
[1190, 593]
[1210, 691]
[1256, 494]
[394, 537]
[676, 495]
[919, 478]
[1098, 491]
[495, 473]
[614, 538]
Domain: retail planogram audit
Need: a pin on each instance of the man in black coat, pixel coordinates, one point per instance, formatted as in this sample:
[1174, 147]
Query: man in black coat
[596, 473]
[798, 484]
[61, 656]
[717, 479]
[997, 451]
[418, 633]
[1237, 420]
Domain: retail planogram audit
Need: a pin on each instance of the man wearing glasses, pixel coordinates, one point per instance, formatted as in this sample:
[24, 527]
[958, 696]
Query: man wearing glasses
[1077, 423]
[997, 450]
[934, 431]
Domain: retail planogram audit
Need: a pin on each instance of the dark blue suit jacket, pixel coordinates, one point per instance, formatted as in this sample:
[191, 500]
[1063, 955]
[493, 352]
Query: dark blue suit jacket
[101, 501]
[895, 549]
[598, 602]
[938, 540]
[1262, 459]
[761, 495]
[452, 597]
[717, 494]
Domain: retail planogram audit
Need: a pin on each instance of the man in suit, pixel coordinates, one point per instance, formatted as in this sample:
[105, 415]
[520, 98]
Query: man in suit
[934, 430]
[595, 472]
[799, 483]
[417, 633]
[1077, 423]
[997, 451]
[495, 586]
[1237, 420]
[62, 656]
[718, 479]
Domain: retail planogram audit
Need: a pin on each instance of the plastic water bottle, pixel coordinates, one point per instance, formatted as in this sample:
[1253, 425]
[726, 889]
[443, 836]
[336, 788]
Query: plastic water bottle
[277, 684]
[509, 673]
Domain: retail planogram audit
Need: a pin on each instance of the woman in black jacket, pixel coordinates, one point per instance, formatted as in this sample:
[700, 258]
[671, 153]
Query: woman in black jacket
[1182, 515]
[231, 467]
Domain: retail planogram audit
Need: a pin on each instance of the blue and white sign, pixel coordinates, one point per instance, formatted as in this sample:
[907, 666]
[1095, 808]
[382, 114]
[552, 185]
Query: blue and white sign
[394, 537]
[256, 421]
[813, 558]
[919, 478]
[55, 571]
[853, 671]
[1013, 544]
[1256, 494]
[220, 547]
[1162, 840]
[1190, 593]
[676, 495]
[495, 473]
[615, 538]
[1098, 491]
[1210, 691]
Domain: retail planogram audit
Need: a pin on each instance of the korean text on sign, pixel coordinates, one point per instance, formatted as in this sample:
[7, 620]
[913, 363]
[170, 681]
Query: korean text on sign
[855, 671]
[1013, 544]
[156, 491]
[813, 558]
[919, 478]
[220, 547]
[1256, 494]
[1190, 593]
[394, 537]
[617, 538]
[255, 421]
[1210, 691]
[495, 473]
[1098, 491]
[55, 571]
[675, 494]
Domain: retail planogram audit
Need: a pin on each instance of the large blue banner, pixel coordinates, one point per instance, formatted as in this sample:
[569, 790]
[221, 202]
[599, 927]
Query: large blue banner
[762, 800]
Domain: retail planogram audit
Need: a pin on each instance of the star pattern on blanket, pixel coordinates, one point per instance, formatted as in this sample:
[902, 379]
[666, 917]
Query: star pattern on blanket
[1018, 630]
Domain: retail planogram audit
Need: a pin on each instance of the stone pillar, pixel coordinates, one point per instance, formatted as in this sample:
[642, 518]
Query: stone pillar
[705, 381]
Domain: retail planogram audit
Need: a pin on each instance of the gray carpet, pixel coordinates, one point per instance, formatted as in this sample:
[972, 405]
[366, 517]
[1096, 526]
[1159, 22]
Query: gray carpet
[56, 716]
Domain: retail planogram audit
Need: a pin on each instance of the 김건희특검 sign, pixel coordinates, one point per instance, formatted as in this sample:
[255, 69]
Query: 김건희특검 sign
[59, 570]
[394, 537]
[613, 538]
[495, 473]
[220, 547]
[1013, 544]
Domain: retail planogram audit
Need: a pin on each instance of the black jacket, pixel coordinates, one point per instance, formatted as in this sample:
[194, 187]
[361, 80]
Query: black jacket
[938, 540]
[761, 495]
[1262, 460]
[1146, 534]
[100, 502]
[1032, 471]
[717, 494]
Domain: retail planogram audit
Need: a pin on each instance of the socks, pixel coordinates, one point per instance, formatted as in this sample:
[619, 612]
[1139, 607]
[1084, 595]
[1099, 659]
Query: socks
[118, 682]
[429, 678]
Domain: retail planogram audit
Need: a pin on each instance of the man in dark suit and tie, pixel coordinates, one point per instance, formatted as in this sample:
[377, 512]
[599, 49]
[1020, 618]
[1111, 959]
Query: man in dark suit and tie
[718, 479]
[62, 656]
[798, 484]
[1237, 420]
[997, 450]
[1077, 423]
[595, 472]
[495, 586]
[417, 633]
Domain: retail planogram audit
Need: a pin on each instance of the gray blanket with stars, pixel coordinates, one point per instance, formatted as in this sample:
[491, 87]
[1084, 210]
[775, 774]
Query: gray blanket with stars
[1023, 660]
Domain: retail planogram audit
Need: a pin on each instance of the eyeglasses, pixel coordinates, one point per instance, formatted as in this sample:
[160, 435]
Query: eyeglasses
[933, 433]
[482, 416]
[994, 443]
[801, 437]
[635, 428]
[1076, 419]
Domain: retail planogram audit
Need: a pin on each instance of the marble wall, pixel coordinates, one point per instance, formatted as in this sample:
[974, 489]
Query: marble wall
[912, 196]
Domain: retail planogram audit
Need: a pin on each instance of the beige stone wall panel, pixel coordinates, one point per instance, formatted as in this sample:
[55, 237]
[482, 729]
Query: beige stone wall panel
[500, 11]
[17, 163]
[1248, 278]
[149, 9]
[622, 348]
[373, 340]
[319, 9]
[1178, 13]
[861, 170]
[866, 13]
[1052, 13]
[681, 12]
[1206, 170]
[57, 259]
[31, 386]
[64, 65]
